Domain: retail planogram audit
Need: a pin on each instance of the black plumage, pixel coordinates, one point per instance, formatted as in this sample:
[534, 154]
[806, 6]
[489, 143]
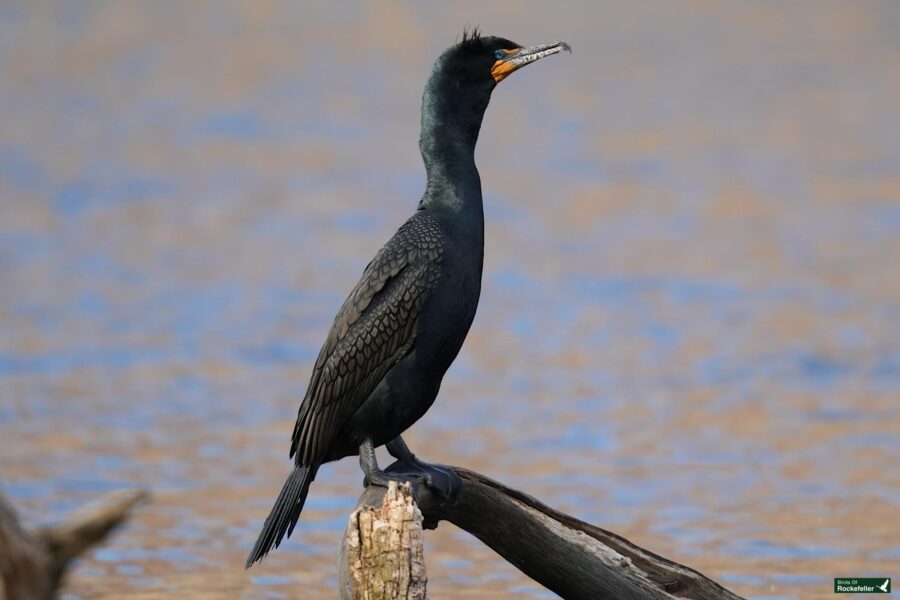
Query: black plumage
[404, 322]
[373, 330]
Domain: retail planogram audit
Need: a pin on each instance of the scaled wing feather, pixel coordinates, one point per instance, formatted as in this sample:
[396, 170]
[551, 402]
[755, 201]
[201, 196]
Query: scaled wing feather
[374, 329]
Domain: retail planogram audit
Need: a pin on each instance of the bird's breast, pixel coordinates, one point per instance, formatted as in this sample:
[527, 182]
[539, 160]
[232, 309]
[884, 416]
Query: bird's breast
[450, 309]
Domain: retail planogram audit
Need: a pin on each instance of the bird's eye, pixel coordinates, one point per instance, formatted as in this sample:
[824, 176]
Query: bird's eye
[500, 54]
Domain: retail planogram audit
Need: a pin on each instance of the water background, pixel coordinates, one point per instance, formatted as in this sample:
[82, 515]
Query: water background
[689, 331]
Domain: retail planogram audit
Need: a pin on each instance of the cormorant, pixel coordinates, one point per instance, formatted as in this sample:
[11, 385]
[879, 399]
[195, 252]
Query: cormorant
[403, 324]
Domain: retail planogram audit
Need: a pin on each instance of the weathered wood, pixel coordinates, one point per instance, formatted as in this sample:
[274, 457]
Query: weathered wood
[32, 564]
[567, 556]
[382, 552]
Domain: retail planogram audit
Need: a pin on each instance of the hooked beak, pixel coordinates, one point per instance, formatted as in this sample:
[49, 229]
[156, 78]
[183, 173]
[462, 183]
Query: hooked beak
[517, 58]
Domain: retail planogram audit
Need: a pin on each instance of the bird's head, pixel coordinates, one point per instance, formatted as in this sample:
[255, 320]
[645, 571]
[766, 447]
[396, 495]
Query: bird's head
[479, 63]
[459, 89]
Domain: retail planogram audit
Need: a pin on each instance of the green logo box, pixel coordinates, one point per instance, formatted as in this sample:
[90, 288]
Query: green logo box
[862, 585]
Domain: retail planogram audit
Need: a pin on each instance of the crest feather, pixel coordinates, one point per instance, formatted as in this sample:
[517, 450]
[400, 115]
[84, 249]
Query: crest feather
[471, 37]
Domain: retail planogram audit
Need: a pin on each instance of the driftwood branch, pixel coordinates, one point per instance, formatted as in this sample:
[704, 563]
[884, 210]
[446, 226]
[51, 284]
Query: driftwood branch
[32, 564]
[567, 556]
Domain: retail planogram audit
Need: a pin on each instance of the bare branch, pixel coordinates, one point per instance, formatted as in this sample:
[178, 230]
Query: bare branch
[567, 556]
[32, 564]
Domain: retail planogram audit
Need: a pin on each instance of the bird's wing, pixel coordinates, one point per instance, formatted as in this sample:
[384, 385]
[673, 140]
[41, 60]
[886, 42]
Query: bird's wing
[373, 330]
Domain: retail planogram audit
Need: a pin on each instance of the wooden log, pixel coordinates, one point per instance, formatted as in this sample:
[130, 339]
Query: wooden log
[574, 559]
[382, 553]
[32, 564]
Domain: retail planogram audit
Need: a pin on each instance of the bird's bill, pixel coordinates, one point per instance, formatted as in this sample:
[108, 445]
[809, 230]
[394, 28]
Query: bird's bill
[516, 58]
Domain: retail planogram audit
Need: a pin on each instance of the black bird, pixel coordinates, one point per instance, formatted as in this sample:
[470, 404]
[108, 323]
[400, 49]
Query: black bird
[403, 324]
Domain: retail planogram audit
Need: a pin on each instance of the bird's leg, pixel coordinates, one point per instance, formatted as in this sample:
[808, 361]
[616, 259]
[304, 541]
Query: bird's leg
[440, 479]
[374, 475]
[399, 450]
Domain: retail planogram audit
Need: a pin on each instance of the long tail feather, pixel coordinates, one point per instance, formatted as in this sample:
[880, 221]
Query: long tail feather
[285, 513]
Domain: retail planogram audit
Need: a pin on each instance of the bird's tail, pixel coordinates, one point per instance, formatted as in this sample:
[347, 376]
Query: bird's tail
[285, 513]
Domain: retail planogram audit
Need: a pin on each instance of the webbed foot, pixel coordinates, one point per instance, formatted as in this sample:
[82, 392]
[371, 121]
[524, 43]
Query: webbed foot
[438, 479]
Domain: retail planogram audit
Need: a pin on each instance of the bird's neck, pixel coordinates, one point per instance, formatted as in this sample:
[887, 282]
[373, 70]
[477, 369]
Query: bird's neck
[451, 122]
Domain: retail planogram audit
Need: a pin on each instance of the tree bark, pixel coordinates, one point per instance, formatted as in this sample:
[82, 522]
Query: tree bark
[574, 559]
[32, 564]
[382, 554]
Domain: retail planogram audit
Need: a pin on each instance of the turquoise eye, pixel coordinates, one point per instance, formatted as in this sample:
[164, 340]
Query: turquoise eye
[500, 54]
